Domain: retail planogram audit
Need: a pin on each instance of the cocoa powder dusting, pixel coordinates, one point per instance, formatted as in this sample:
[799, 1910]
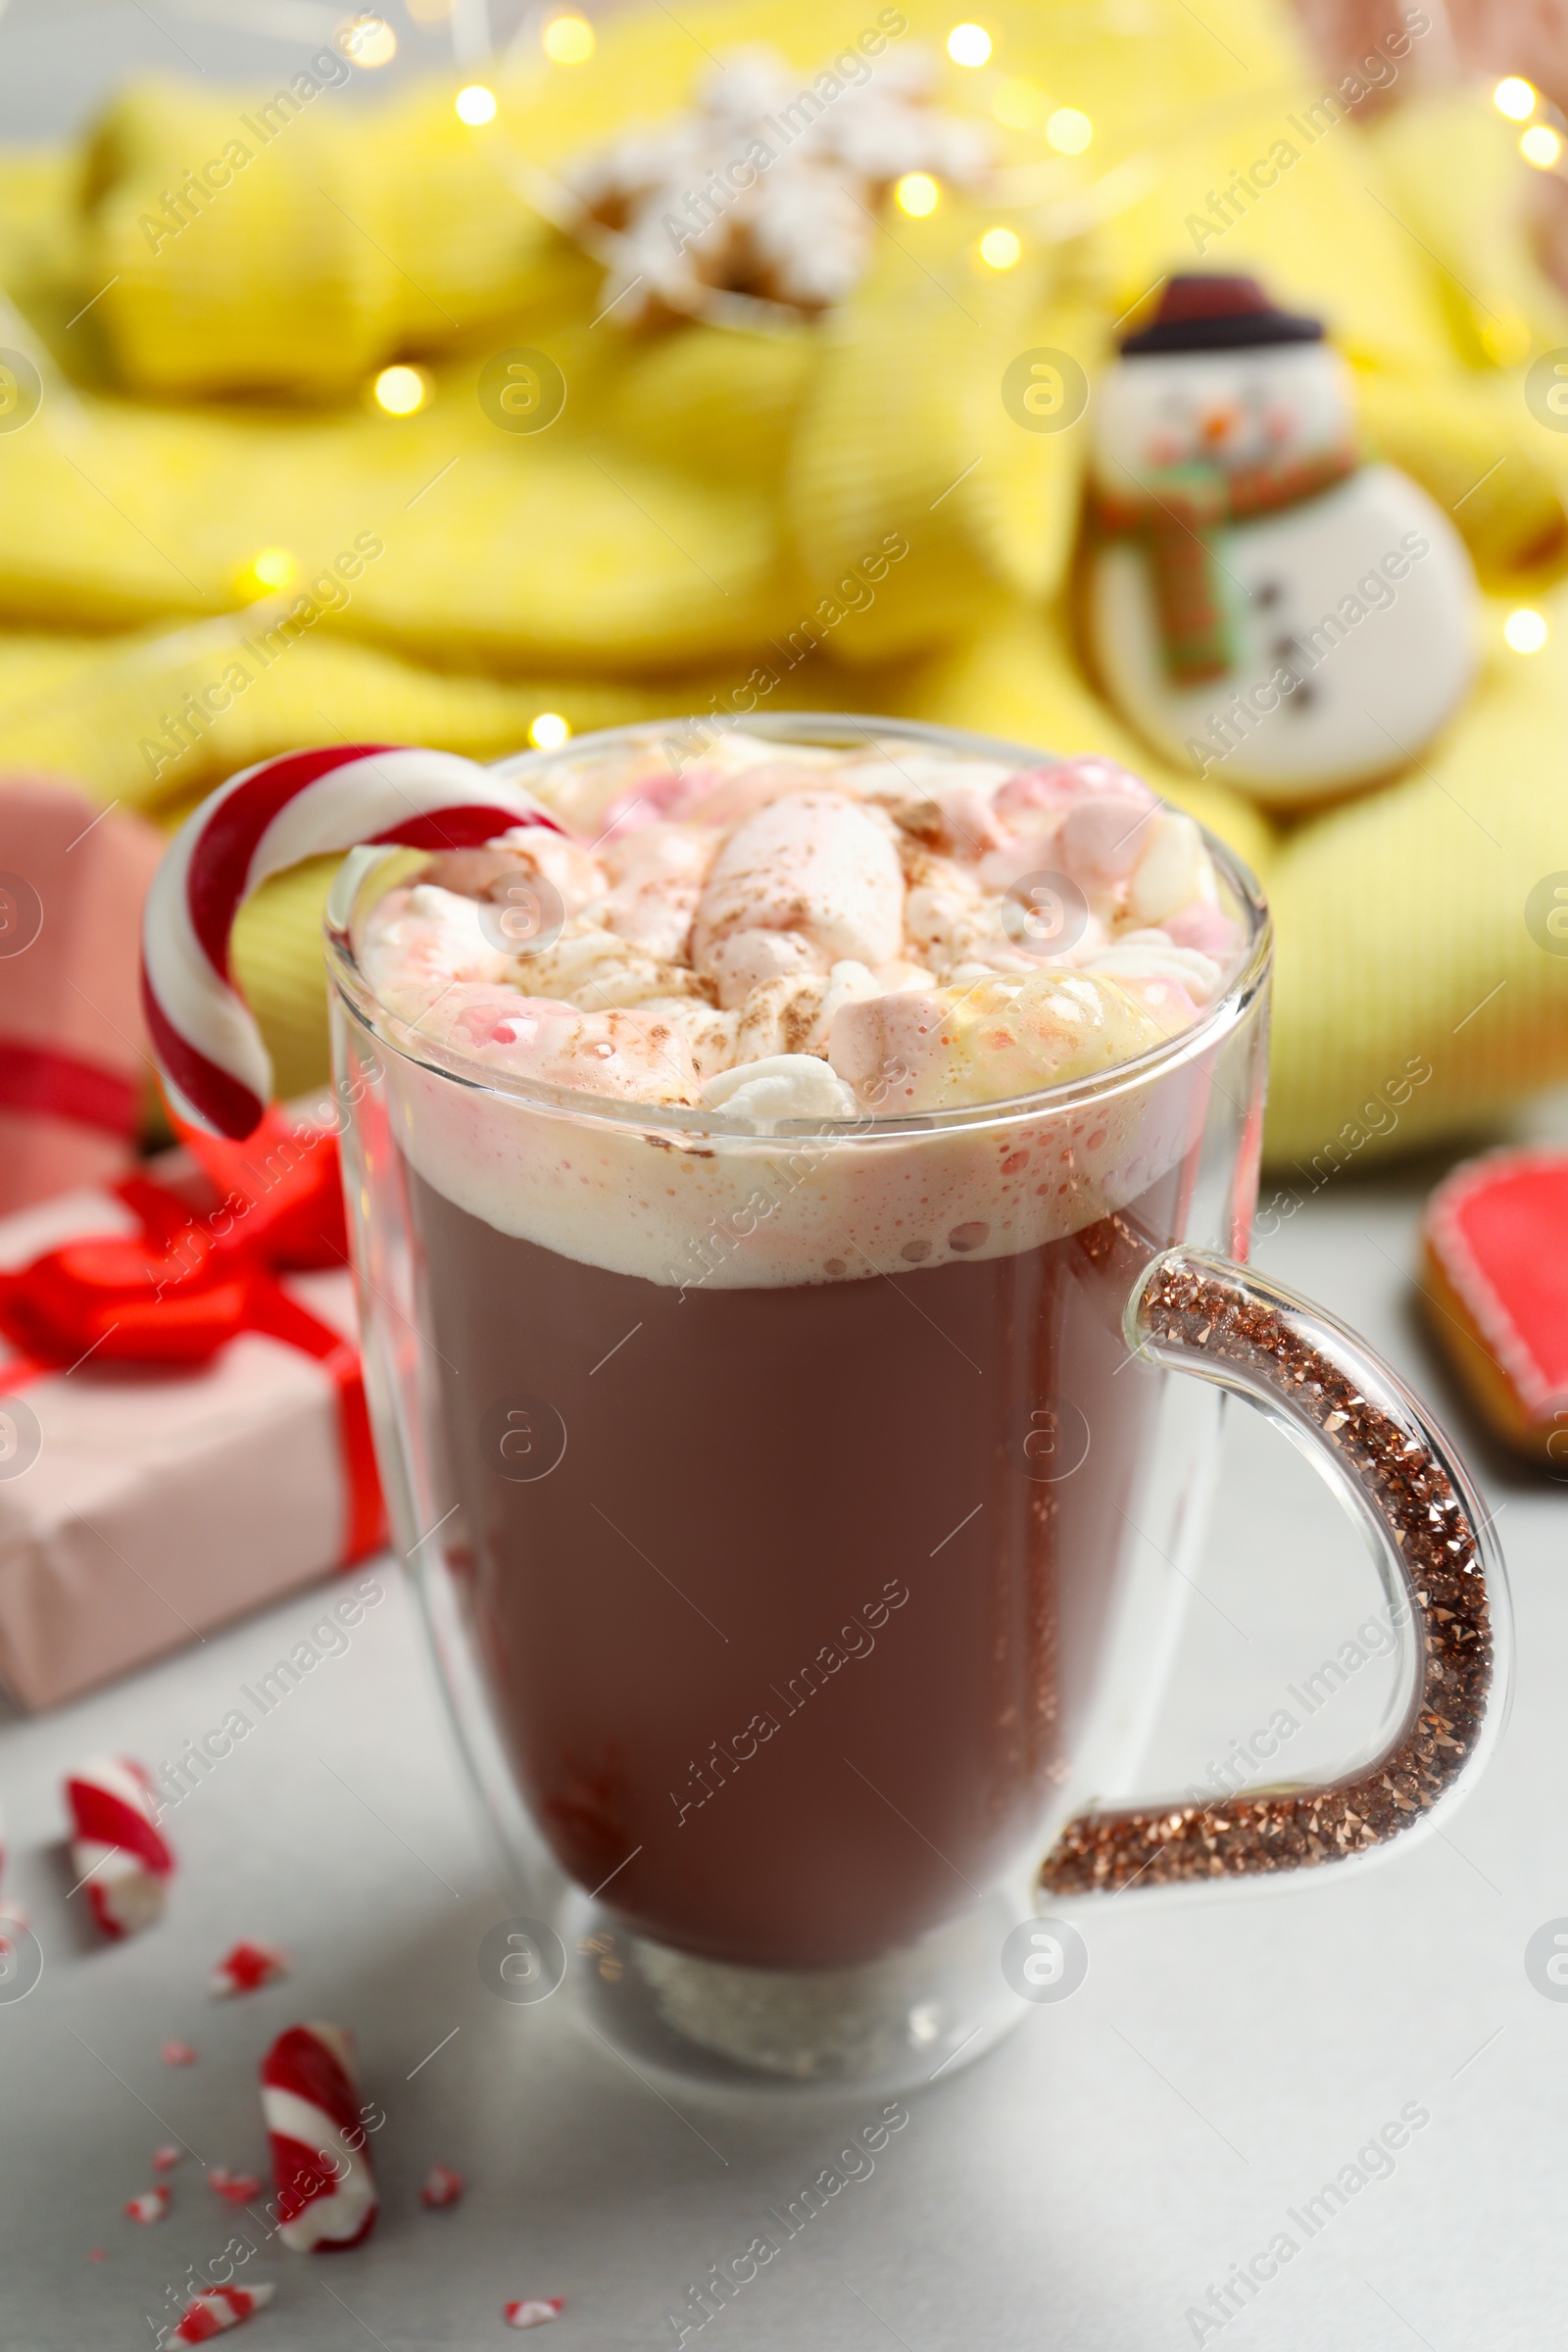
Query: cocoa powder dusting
[1188, 1305]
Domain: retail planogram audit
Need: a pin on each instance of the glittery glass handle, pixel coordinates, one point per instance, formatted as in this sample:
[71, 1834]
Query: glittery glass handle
[1202, 1314]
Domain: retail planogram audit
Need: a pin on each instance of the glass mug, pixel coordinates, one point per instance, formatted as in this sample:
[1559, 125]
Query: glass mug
[776, 1500]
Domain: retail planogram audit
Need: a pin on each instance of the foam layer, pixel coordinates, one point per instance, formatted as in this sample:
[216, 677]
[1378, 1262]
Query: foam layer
[743, 1212]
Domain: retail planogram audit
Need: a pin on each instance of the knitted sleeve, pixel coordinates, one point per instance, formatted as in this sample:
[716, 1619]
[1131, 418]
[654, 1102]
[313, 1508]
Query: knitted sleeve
[291, 242]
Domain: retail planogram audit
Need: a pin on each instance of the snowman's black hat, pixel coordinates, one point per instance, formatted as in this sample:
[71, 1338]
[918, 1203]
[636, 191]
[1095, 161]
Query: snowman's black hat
[1208, 311]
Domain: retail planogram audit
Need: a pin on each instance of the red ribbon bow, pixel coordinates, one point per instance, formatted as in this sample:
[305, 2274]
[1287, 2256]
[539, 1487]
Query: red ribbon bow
[176, 1293]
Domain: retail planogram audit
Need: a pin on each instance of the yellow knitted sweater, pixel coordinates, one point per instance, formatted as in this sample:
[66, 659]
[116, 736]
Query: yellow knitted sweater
[208, 497]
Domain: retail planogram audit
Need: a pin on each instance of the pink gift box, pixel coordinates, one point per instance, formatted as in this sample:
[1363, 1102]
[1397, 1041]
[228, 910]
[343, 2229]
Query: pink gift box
[140, 1507]
[72, 1048]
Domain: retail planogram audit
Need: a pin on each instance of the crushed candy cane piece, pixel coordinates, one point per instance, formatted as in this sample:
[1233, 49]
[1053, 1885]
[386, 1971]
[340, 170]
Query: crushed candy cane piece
[326, 2189]
[150, 2206]
[178, 2053]
[11, 1929]
[534, 2312]
[122, 1862]
[216, 2309]
[441, 2186]
[97, 2254]
[245, 1968]
[165, 2158]
[238, 2187]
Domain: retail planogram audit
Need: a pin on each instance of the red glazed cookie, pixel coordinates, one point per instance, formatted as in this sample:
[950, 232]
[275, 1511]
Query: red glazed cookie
[1496, 1245]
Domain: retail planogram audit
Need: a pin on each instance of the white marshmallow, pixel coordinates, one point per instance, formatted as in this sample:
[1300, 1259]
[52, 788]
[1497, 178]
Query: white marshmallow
[656, 873]
[815, 865]
[750, 960]
[1173, 869]
[786, 1086]
[780, 1017]
[597, 968]
[422, 940]
[1152, 954]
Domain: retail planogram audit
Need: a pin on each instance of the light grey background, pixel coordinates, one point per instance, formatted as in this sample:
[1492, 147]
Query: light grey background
[1082, 2188]
[61, 60]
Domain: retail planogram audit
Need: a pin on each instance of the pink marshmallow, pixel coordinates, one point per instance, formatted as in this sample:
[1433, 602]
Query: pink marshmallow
[729, 796]
[1203, 927]
[1032, 853]
[970, 817]
[1062, 784]
[666, 796]
[872, 1037]
[1050, 790]
[1103, 838]
[1167, 1000]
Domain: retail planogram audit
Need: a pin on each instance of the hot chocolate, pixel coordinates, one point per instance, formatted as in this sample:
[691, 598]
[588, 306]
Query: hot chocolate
[781, 1424]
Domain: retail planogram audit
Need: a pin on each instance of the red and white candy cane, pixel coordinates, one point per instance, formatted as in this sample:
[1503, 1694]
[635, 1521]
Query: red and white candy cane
[121, 1861]
[210, 1051]
[325, 2189]
[216, 2309]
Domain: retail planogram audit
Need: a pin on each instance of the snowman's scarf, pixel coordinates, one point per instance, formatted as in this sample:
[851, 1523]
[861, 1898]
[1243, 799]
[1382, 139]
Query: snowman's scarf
[1175, 513]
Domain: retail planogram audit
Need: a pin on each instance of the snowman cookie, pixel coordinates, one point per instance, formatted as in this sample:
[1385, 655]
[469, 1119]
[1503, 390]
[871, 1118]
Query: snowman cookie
[1261, 605]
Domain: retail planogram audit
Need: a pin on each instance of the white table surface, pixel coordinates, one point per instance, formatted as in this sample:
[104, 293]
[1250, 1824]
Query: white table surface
[1081, 2188]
